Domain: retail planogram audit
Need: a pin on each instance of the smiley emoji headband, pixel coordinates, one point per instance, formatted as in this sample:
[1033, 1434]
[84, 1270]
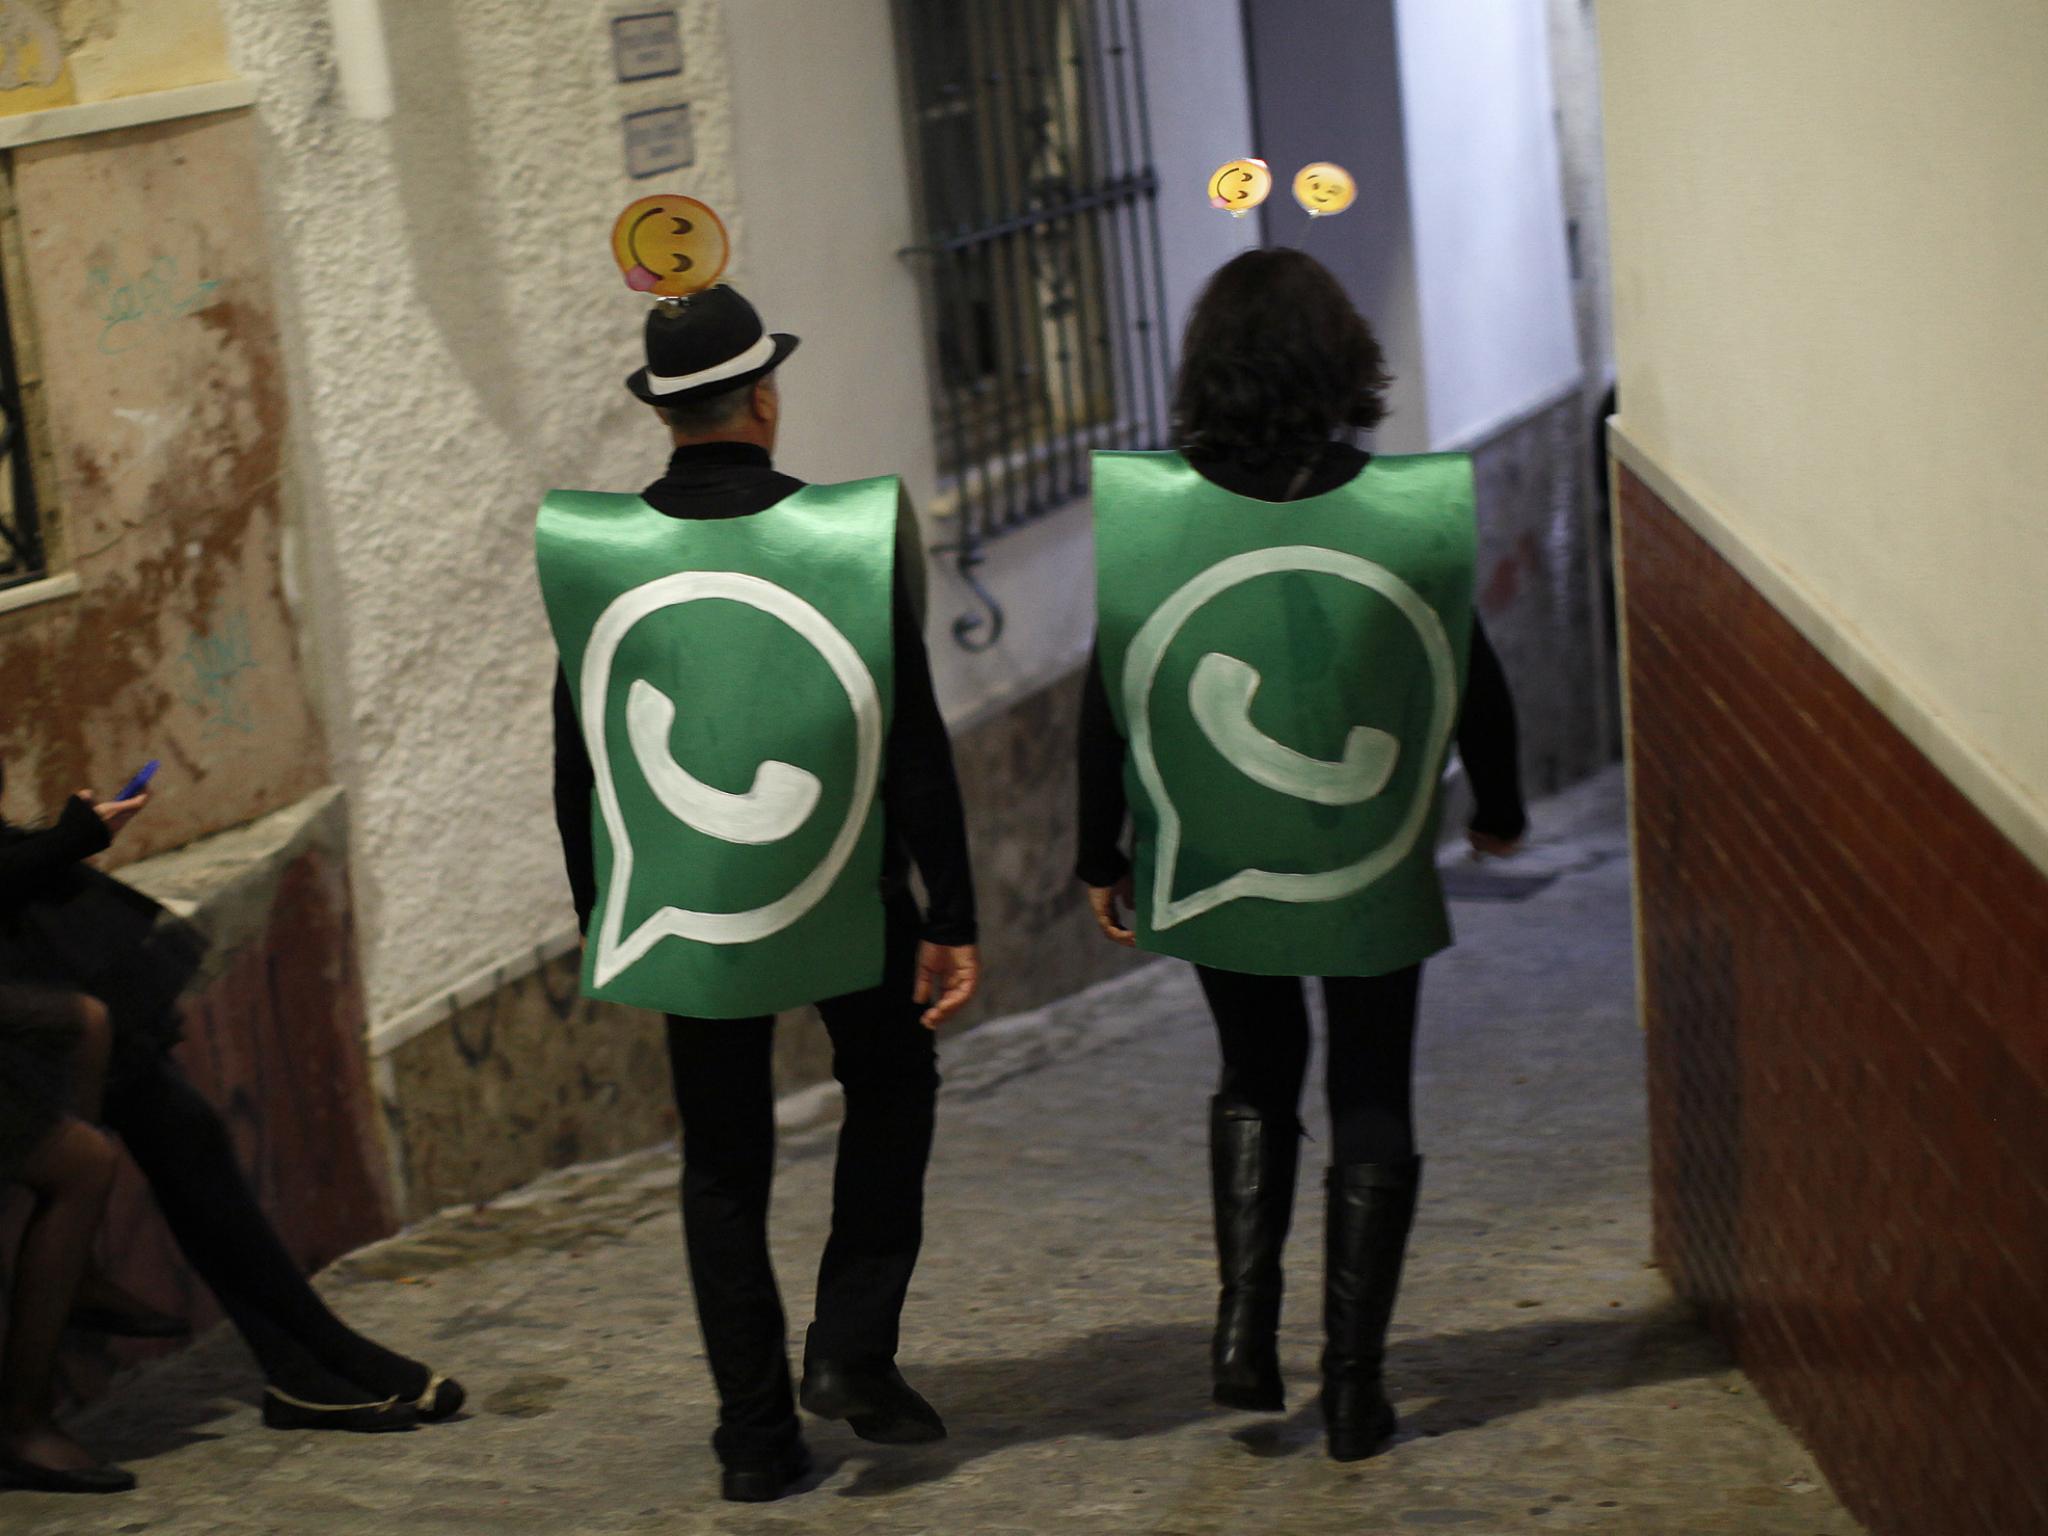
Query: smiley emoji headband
[1239, 186]
[669, 246]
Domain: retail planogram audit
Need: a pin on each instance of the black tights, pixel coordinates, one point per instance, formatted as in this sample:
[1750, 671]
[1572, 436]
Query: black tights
[182, 1146]
[1262, 1024]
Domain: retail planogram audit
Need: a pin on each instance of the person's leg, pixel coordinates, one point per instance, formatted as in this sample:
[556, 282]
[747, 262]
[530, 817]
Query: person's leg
[89, 1064]
[1370, 1075]
[309, 1355]
[101, 1305]
[1262, 1030]
[887, 1063]
[1254, 1152]
[723, 1073]
[69, 1172]
[1372, 1186]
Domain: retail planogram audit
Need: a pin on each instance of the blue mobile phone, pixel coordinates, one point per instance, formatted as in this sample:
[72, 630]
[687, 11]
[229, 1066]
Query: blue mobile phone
[140, 782]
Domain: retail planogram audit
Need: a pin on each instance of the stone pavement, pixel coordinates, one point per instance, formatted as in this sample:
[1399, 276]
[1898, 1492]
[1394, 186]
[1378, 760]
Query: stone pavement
[1547, 1379]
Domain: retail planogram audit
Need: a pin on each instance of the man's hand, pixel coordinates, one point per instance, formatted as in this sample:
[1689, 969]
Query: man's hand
[947, 977]
[115, 813]
[1489, 846]
[1105, 901]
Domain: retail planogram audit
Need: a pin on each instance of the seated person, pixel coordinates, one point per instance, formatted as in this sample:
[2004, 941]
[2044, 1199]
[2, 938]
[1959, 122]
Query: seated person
[65, 925]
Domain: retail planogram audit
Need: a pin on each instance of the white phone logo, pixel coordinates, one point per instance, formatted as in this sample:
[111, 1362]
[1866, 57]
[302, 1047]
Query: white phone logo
[782, 797]
[1221, 694]
[781, 800]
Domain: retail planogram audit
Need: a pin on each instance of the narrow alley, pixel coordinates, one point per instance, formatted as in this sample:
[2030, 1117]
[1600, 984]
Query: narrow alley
[1546, 1377]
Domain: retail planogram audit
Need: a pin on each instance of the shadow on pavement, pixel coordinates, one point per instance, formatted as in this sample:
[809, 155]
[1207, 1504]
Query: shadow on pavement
[1130, 1382]
[134, 1426]
[1119, 1383]
[1460, 1381]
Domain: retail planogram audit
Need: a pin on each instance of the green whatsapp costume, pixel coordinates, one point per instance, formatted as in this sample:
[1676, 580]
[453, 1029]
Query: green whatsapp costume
[734, 678]
[1288, 677]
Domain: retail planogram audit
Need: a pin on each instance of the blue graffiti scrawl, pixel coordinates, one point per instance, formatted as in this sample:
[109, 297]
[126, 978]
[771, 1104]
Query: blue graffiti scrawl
[216, 662]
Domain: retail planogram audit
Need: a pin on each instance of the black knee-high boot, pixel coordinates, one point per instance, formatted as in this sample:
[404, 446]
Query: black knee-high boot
[1371, 1207]
[1252, 1163]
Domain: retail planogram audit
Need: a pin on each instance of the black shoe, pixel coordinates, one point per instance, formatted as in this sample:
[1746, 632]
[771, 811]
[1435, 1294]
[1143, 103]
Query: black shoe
[283, 1411]
[1370, 1209]
[876, 1402]
[442, 1399]
[1252, 1164]
[1357, 1418]
[764, 1483]
[31, 1478]
[141, 1323]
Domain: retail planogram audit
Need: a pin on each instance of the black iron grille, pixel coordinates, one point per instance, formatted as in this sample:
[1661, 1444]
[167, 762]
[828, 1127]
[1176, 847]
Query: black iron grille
[21, 539]
[1045, 293]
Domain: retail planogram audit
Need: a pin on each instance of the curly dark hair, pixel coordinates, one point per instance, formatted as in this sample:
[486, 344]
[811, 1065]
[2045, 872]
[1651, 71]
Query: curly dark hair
[1276, 361]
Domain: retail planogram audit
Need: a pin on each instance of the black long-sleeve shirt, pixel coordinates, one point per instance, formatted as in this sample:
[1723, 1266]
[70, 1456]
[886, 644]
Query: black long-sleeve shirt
[30, 857]
[923, 819]
[1487, 736]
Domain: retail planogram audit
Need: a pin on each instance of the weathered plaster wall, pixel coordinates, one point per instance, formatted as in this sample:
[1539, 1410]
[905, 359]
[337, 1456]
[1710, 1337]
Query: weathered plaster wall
[66, 51]
[459, 335]
[1537, 589]
[147, 312]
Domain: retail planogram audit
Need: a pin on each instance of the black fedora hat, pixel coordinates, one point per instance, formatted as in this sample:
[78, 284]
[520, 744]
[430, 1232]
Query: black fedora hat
[707, 344]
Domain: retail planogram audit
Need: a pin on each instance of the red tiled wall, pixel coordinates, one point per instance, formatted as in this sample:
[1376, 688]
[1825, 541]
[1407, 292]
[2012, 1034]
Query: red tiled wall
[1846, 996]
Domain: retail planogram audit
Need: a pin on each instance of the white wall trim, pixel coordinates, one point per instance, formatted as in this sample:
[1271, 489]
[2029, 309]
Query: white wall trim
[387, 1035]
[48, 589]
[2017, 814]
[126, 111]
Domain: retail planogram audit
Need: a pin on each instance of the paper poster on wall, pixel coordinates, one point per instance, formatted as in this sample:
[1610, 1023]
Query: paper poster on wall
[647, 45]
[659, 140]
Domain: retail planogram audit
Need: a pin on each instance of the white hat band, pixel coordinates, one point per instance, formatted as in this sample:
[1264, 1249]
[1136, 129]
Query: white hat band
[760, 352]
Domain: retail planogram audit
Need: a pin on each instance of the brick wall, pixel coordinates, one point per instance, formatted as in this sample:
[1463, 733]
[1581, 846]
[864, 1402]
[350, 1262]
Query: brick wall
[1846, 995]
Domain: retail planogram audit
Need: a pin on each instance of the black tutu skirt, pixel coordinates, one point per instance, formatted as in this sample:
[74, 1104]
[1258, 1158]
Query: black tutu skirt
[87, 932]
[39, 1032]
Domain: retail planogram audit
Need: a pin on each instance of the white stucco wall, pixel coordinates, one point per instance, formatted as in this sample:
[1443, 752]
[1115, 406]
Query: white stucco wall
[1199, 92]
[1494, 279]
[458, 335]
[1828, 223]
[821, 157]
[1329, 88]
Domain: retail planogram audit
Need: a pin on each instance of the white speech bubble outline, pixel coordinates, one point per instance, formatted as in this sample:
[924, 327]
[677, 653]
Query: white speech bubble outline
[1141, 670]
[614, 953]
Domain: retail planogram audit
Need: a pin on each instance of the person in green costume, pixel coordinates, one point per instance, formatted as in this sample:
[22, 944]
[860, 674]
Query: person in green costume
[748, 760]
[1287, 649]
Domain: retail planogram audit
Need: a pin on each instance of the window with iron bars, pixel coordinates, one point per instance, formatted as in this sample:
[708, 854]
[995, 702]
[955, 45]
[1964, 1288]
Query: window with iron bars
[22, 548]
[1044, 292]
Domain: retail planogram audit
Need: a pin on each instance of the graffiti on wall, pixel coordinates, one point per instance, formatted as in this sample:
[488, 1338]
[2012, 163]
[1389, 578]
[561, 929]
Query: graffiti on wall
[215, 664]
[133, 308]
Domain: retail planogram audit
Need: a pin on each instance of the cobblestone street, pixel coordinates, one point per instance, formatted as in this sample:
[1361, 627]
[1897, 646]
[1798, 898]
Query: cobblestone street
[1546, 1378]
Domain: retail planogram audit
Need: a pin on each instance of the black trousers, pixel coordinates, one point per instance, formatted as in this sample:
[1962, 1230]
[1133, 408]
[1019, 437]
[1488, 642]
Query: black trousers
[182, 1147]
[1262, 1026]
[725, 1095]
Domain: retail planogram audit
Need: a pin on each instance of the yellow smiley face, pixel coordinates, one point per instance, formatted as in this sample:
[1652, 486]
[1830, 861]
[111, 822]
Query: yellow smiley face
[1324, 188]
[669, 245]
[1239, 186]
